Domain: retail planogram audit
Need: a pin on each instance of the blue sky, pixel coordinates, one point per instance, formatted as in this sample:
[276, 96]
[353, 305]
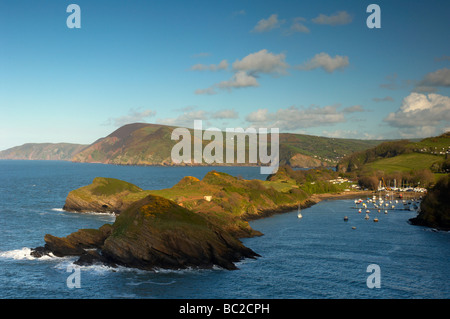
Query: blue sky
[311, 67]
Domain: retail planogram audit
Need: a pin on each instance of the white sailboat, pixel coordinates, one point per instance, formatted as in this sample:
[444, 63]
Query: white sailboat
[299, 215]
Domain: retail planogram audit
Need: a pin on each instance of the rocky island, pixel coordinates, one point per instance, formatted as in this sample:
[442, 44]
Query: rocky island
[196, 223]
[153, 232]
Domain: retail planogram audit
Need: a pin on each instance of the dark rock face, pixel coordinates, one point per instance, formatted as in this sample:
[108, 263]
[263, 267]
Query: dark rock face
[152, 233]
[92, 257]
[435, 207]
[76, 243]
[105, 195]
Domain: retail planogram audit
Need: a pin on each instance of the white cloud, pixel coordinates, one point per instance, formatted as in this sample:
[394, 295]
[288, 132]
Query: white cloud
[207, 91]
[265, 25]
[442, 58]
[262, 62]
[134, 116]
[247, 70]
[188, 115]
[353, 109]
[225, 114]
[298, 26]
[240, 80]
[323, 60]
[223, 65]
[420, 115]
[437, 78]
[354, 134]
[186, 119]
[258, 116]
[338, 18]
[295, 118]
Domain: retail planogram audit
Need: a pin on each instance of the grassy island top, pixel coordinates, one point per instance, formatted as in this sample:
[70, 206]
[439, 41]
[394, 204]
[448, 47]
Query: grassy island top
[227, 201]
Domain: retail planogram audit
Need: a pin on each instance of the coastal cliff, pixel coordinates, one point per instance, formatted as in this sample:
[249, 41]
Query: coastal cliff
[435, 207]
[153, 232]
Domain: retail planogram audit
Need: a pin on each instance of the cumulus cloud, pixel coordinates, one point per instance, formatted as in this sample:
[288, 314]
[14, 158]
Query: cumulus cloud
[420, 114]
[326, 62]
[225, 114]
[262, 62]
[355, 134]
[186, 119]
[134, 116]
[442, 58]
[265, 25]
[188, 115]
[436, 79]
[338, 18]
[240, 80]
[295, 118]
[298, 26]
[353, 109]
[223, 65]
[247, 70]
[260, 116]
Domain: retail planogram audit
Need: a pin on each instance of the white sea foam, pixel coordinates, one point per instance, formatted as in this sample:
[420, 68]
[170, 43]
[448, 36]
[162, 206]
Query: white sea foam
[88, 213]
[110, 217]
[23, 254]
[151, 282]
[100, 269]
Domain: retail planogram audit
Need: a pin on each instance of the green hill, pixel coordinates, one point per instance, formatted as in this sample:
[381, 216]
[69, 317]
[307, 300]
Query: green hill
[404, 163]
[42, 151]
[151, 144]
[402, 155]
[417, 163]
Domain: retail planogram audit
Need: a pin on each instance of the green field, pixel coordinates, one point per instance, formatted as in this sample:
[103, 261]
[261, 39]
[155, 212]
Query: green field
[405, 162]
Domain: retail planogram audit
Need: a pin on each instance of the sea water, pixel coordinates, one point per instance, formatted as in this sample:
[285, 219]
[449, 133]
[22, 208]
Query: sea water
[317, 256]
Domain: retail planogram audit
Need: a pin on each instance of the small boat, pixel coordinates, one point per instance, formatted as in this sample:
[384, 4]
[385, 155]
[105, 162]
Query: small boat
[367, 216]
[375, 220]
[345, 218]
[299, 215]
[353, 227]
[359, 211]
[385, 211]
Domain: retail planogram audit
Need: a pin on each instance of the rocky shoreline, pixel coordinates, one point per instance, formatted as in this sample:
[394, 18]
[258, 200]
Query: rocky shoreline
[152, 231]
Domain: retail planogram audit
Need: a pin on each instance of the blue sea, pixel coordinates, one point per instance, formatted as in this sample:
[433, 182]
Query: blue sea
[317, 257]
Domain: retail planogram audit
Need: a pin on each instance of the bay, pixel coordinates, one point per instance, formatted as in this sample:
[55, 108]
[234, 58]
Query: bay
[317, 257]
